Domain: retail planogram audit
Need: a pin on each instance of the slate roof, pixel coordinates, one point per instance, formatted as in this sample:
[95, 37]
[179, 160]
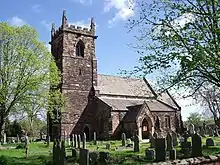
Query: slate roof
[132, 114]
[121, 103]
[166, 98]
[122, 86]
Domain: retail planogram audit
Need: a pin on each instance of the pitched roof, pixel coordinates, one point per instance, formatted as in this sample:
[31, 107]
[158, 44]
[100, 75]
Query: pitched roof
[167, 98]
[131, 115]
[123, 86]
[121, 103]
[127, 103]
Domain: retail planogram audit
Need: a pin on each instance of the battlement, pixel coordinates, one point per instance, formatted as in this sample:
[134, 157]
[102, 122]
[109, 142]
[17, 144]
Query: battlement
[65, 27]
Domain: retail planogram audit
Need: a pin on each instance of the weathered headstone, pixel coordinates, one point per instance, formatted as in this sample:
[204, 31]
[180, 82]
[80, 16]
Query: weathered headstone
[202, 132]
[210, 142]
[69, 142]
[103, 158]
[152, 141]
[83, 156]
[93, 158]
[196, 145]
[123, 139]
[150, 154]
[54, 151]
[72, 142]
[172, 154]
[84, 140]
[26, 146]
[62, 153]
[18, 138]
[169, 140]
[94, 138]
[191, 129]
[79, 141]
[48, 140]
[136, 143]
[4, 138]
[74, 153]
[160, 149]
[174, 137]
[75, 141]
[108, 146]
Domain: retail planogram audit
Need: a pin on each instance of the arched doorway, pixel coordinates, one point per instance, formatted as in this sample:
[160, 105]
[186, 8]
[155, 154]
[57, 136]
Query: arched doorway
[146, 128]
[86, 130]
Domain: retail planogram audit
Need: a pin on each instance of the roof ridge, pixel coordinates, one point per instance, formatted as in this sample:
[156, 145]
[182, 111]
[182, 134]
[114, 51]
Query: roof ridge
[120, 77]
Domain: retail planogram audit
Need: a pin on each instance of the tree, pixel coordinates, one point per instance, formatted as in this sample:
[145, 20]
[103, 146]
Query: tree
[195, 119]
[180, 38]
[27, 71]
[209, 98]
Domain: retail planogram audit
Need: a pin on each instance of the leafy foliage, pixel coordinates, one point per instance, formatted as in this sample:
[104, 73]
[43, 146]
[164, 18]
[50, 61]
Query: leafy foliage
[180, 39]
[27, 73]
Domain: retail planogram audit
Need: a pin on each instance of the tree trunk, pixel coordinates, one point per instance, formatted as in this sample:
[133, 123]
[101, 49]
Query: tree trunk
[2, 122]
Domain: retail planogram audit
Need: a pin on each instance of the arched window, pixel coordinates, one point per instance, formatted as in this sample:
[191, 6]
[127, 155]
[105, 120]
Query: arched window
[80, 47]
[167, 121]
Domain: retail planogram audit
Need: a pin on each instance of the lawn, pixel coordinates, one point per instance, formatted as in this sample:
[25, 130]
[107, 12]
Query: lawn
[40, 154]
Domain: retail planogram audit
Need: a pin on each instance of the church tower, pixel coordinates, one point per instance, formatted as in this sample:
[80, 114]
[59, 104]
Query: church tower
[74, 51]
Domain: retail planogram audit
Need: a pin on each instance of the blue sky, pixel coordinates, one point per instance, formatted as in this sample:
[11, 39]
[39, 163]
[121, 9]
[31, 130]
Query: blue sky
[112, 50]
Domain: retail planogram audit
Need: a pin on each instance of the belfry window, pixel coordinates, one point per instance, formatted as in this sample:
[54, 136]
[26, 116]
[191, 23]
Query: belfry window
[80, 47]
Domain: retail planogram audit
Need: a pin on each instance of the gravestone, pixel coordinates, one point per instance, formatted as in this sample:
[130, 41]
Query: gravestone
[93, 158]
[108, 146]
[4, 138]
[75, 140]
[191, 129]
[103, 158]
[202, 132]
[196, 145]
[152, 141]
[79, 141]
[169, 140]
[136, 143]
[174, 137]
[83, 156]
[74, 153]
[172, 154]
[69, 142]
[73, 136]
[129, 141]
[150, 154]
[84, 140]
[94, 138]
[123, 139]
[160, 149]
[18, 139]
[54, 151]
[210, 142]
[48, 140]
[62, 153]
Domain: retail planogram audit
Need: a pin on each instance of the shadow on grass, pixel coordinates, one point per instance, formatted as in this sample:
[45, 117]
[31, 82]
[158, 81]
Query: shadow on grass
[32, 160]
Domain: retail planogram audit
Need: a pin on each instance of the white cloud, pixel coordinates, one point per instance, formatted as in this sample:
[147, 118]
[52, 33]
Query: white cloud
[124, 9]
[46, 24]
[84, 2]
[36, 8]
[16, 21]
[83, 23]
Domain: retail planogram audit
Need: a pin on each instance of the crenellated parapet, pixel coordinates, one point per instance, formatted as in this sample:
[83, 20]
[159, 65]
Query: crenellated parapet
[65, 27]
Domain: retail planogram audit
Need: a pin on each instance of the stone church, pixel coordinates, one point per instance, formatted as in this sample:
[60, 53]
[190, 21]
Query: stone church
[105, 104]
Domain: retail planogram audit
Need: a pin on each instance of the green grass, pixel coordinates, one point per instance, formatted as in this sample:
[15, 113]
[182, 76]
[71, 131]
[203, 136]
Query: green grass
[39, 153]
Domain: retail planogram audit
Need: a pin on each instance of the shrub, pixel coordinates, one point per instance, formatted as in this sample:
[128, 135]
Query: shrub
[3, 160]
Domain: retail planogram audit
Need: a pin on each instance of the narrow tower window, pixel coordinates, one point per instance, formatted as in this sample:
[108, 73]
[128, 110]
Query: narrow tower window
[80, 47]
[80, 72]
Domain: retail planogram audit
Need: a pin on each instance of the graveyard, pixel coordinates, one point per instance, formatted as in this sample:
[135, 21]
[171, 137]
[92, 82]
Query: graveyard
[112, 152]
